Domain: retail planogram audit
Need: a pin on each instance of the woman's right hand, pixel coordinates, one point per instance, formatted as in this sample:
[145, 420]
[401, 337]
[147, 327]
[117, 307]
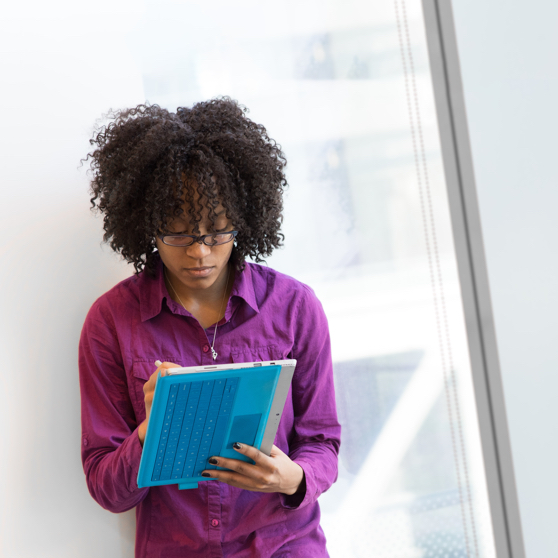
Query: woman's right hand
[148, 391]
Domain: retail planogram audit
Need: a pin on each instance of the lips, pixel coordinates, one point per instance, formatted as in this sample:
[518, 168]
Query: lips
[198, 271]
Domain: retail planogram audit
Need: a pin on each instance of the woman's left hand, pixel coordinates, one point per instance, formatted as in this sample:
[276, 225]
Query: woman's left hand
[274, 473]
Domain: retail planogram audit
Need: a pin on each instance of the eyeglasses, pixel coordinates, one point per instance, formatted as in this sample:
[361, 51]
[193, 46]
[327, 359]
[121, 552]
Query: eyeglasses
[213, 239]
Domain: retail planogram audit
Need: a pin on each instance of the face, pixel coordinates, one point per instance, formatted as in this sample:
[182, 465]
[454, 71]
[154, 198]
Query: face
[197, 266]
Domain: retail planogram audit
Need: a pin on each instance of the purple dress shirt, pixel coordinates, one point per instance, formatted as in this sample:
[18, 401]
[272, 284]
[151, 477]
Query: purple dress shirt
[269, 316]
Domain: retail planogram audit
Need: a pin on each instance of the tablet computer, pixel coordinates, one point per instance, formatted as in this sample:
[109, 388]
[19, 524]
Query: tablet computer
[201, 411]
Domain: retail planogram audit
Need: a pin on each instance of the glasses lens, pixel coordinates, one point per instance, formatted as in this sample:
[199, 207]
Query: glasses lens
[216, 239]
[178, 240]
[209, 240]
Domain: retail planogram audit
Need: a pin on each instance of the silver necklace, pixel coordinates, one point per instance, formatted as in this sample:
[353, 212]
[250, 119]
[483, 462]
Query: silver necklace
[213, 351]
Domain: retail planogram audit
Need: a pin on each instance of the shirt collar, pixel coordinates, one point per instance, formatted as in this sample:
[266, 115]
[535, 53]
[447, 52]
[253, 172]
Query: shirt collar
[152, 290]
[244, 287]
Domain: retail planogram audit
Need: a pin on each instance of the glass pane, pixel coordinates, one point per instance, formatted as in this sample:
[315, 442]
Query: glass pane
[345, 88]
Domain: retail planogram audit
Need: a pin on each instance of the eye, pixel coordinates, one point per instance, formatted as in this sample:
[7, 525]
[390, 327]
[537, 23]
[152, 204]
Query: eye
[215, 239]
[178, 240]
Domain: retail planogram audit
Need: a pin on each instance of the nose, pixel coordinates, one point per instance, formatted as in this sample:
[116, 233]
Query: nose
[198, 250]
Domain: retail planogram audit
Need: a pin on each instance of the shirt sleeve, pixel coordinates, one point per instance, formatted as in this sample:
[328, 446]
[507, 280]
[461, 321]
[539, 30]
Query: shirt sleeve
[111, 450]
[317, 436]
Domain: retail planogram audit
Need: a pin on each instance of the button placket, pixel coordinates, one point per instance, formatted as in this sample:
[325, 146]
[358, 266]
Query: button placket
[214, 517]
[205, 347]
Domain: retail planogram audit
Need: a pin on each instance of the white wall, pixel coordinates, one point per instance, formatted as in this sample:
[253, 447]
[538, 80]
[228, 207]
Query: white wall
[508, 61]
[57, 75]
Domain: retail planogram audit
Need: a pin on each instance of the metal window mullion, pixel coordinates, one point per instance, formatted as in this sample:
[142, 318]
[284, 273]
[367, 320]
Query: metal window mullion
[473, 275]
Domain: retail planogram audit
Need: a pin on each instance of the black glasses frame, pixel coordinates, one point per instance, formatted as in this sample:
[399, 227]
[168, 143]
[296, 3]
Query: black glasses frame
[202, 239]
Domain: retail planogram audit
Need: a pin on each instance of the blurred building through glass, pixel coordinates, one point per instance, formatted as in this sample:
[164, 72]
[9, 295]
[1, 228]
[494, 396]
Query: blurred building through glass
[345, 88]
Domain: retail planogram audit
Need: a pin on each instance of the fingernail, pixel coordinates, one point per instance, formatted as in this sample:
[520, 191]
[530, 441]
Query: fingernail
[204, 474]
[213, 461]
[236, 445]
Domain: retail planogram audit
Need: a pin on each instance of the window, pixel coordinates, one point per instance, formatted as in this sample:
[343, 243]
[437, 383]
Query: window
[346, 89]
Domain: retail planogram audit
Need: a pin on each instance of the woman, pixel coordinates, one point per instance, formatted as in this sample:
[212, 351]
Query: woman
[186, 198]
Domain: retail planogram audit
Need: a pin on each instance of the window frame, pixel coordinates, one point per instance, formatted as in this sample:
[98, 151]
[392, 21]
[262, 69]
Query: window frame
[473, 277]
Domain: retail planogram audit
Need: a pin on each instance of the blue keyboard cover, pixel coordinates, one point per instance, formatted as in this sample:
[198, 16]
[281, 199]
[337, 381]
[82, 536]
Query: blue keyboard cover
[195, 423]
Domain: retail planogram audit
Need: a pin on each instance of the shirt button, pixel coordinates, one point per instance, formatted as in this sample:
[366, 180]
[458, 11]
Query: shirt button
[215, 522]
[205, 348]
[85, 442]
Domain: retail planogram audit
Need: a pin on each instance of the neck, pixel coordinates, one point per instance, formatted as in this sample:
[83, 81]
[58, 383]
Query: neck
[207, 305]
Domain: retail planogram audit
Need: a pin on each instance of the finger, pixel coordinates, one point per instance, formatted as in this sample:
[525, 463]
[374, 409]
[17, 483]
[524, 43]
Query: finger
[160, 368]
[150, 384]
[165, 366]
[241, 467]
[235, 479]
[276, 452]
[253, 453]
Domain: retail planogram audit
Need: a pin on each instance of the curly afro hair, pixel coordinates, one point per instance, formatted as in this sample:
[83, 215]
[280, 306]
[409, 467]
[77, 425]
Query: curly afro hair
[148, 161]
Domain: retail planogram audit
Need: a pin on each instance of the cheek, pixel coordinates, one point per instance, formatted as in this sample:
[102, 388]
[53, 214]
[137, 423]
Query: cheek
[225, 255]
[166, 254]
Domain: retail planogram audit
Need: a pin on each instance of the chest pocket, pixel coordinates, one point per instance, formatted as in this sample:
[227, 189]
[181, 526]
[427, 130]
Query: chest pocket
[141, 372]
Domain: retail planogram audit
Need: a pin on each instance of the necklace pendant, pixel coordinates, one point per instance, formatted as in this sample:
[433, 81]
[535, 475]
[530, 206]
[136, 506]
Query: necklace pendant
[214, 352]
